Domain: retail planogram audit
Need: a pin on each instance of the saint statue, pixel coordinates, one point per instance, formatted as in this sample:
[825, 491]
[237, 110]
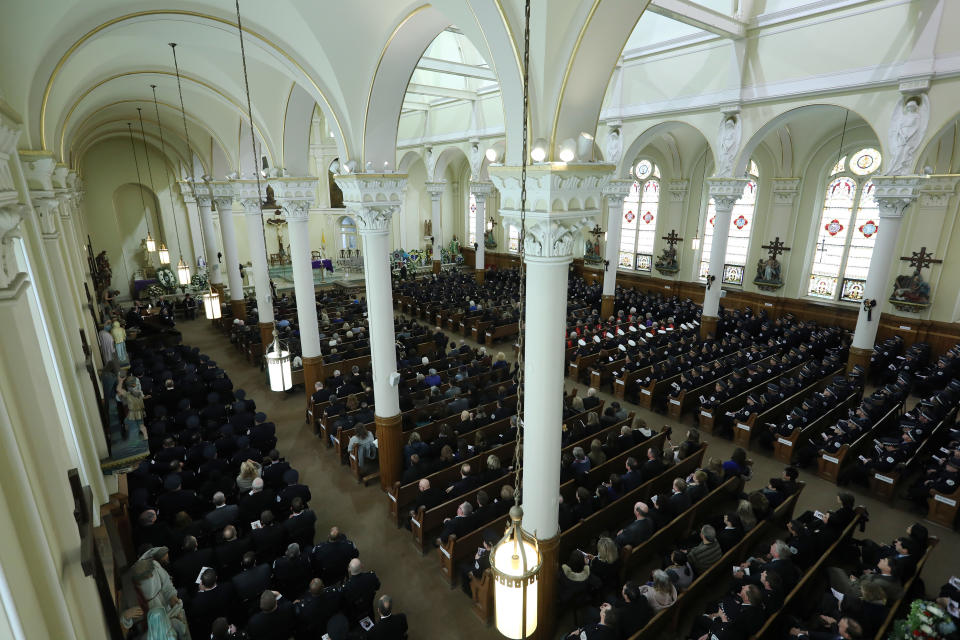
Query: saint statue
[667, 260]
[454, 246]
[729, 140]
[768, 270]
[428, 227]
[911, 288]
[614, 146]
[907, 126]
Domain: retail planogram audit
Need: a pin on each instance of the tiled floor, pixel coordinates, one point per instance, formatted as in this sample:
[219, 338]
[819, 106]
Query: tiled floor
[435, 611]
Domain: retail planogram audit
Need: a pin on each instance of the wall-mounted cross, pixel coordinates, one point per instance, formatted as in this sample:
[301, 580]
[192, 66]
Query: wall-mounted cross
[775, 247]
[921, 260]
[672, 238]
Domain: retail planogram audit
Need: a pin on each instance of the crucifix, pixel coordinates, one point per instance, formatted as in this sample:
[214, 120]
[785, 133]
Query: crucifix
[776, 247]
[672, 238]
[921, 260]
[821, 249]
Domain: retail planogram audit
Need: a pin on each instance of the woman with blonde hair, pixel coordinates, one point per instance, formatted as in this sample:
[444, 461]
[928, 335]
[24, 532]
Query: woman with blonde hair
[606, 564]
[746, 515]
[249, 471]
[577, 404]
[596, 455]
[660, 593]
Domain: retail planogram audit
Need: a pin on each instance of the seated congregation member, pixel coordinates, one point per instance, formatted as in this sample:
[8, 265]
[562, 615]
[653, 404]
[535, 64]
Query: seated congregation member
[315, 608]
[276, 619]
[778, 561]
[639, 530]
[189, 563]
[212, 600]
[253, 578]
[229, 552]
[253, 502]
[470, 571]
[301, 524]
[222, 514]
[679, 570]
[331, 558]
[734, 620]
[292, 571]
[390, 625]
[269, 539]
[358, 591]
[605, 629]
[660, 592]
[458, 525]
[702, 556]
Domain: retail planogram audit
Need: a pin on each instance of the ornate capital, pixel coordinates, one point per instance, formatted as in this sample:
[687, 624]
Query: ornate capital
[372, 198]
[435, 189]
[616, 191]
[554, 237]
[38, 169]
[297, 211]
[785, 190]
[298, 193]
[46, 208]
[937, 191]
[10, 217]
[481, 190]
[59, 178]
[894, 194]
[187, 191]
[726, 191]
[678, 190]
[9, 134]
[66, 199]
[204, 193]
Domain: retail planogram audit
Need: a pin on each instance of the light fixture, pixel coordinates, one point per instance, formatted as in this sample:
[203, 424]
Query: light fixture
[568, 150]
[515, 563]
[695, 243]
[368, 167]
[211, 305]
[163, 254]
[492, 154]
[585, 147]
[278, 365]
[151, 243]
[539, 151]
[183, 273]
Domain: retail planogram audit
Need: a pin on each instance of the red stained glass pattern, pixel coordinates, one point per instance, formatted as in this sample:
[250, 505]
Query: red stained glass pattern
[629, 216]
[740, 222]
[833, 227]
[647, 217]
[868, 228]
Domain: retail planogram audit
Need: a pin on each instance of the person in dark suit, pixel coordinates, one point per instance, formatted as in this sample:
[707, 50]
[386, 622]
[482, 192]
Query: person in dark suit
[638, 530]
[735, 623]
[211, 601]
[481, 561]
[269, 540]
[252, 503]
[633, 477]
[186, 568]
[427, 497]
[653, 466]
[276, 619]
[301, 525]
[252, 579]
[331, 558]
[230, 552]
[606, 629]
[633, 610]
[846, 629]
[459, 525]
[273, 469]
[358, 591]
[293, 490]
[176, 499]
[222, 513]
[291, 571]
[732, 531]
[678, 502]
[314, 610]
[390, 626]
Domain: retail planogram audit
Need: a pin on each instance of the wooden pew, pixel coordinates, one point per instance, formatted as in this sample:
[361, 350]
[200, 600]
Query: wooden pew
[580, 367]
[708, 417]
[746, 430]
[785, 448]
[494, 334]
[896, 609]
[829, 466]
[884, 485]
[942, 508]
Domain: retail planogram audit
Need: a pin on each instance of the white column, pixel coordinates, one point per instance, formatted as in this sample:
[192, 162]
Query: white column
[435, 189]
[253, 215]
[480, 191]
[893, 195]
[193, 223]
[228, 234]
[614, 193]
[725, 193]
[214, 274]
[297, 215]
[383, 354]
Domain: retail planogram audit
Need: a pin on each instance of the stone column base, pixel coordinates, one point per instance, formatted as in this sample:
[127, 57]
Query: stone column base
[266, 335]
[860, 357]
[478, 274]
[390, 449]
[436, 266]
[239, 308]
[312, 367]
[547, 582]
[606, 306]
[708, 325]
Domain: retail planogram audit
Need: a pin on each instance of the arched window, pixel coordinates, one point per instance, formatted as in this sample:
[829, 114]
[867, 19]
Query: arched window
[638, 227]
[471, 233]
[738, 237]
[513, 239]
[348, 233]
[847, 230]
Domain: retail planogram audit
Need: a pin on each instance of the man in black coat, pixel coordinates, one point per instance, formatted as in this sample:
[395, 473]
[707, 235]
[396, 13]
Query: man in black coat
[291, 571]
[330, 559]
[358, 591]
[230, 552]
[633, 610]
[301, 525]
[638, 530]
[252, 503]
[314, 610]
[653, 466]
[276, 620]
[390, 626]
[293, 490]
[252, 579]
[211, 601]
[459, 525]
[270, 539]
[186, 568]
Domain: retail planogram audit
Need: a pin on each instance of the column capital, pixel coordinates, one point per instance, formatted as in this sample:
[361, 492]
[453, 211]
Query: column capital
[372, 198]
[38, 169]
[9, 134]
[187, 191]
[678, 189]
[204, 193]
[616, 191]
[481, 190]
[938, 190]
[894, 194]
[562, 199]
[10, 217]
[296, 211]
[45, 204]
[785, 190]
[435, 189]
[726, 191]
[66, 197]
[297, 194]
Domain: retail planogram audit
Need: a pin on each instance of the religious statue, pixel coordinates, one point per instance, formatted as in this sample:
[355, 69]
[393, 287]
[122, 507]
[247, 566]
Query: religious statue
[488, 240]
[428, 228]
[911, 292]
[728, 141]
[769, 275]
[591, 252]
[907, 126]
[454, 246]
[667, 262]
[476, 160]
[614, 146]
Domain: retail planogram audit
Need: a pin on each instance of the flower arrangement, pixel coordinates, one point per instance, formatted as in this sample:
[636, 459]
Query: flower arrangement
[198, 281]
[926, 621]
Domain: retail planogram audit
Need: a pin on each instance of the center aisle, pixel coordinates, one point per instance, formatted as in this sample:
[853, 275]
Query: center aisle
[433, 611]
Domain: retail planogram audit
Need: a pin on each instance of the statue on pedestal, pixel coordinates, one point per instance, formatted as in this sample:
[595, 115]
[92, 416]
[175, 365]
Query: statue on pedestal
[769, 272]
[911, 292]
[667, 262]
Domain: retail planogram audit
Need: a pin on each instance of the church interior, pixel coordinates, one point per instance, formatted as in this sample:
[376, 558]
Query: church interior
[619, 319]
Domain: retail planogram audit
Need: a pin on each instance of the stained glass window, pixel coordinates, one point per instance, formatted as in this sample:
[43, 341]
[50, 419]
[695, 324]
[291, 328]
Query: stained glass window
[741, 227]
[638, 226]
[847, 230]
[471, 233]
[513, 239]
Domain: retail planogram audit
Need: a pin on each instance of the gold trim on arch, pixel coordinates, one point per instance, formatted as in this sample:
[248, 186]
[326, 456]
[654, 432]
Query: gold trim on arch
[518, 57]
[160, 72]
[196, 14]
[194, 119]
[283, 127]
[566, 74]
[373, 81]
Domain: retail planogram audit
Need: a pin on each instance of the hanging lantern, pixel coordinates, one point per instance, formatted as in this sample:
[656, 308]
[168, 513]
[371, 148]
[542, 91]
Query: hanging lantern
[164, 254]
[515, 562]
[151, 243]
[183, 272]
[278, 365]
[211, 305]
[695, 243]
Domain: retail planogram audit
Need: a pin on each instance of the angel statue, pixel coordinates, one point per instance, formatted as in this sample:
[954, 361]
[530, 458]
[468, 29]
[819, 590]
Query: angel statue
[907, 126]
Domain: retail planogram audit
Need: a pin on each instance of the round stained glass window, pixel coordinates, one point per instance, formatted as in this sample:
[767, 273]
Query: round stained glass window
[865, 161]
[643, 169]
